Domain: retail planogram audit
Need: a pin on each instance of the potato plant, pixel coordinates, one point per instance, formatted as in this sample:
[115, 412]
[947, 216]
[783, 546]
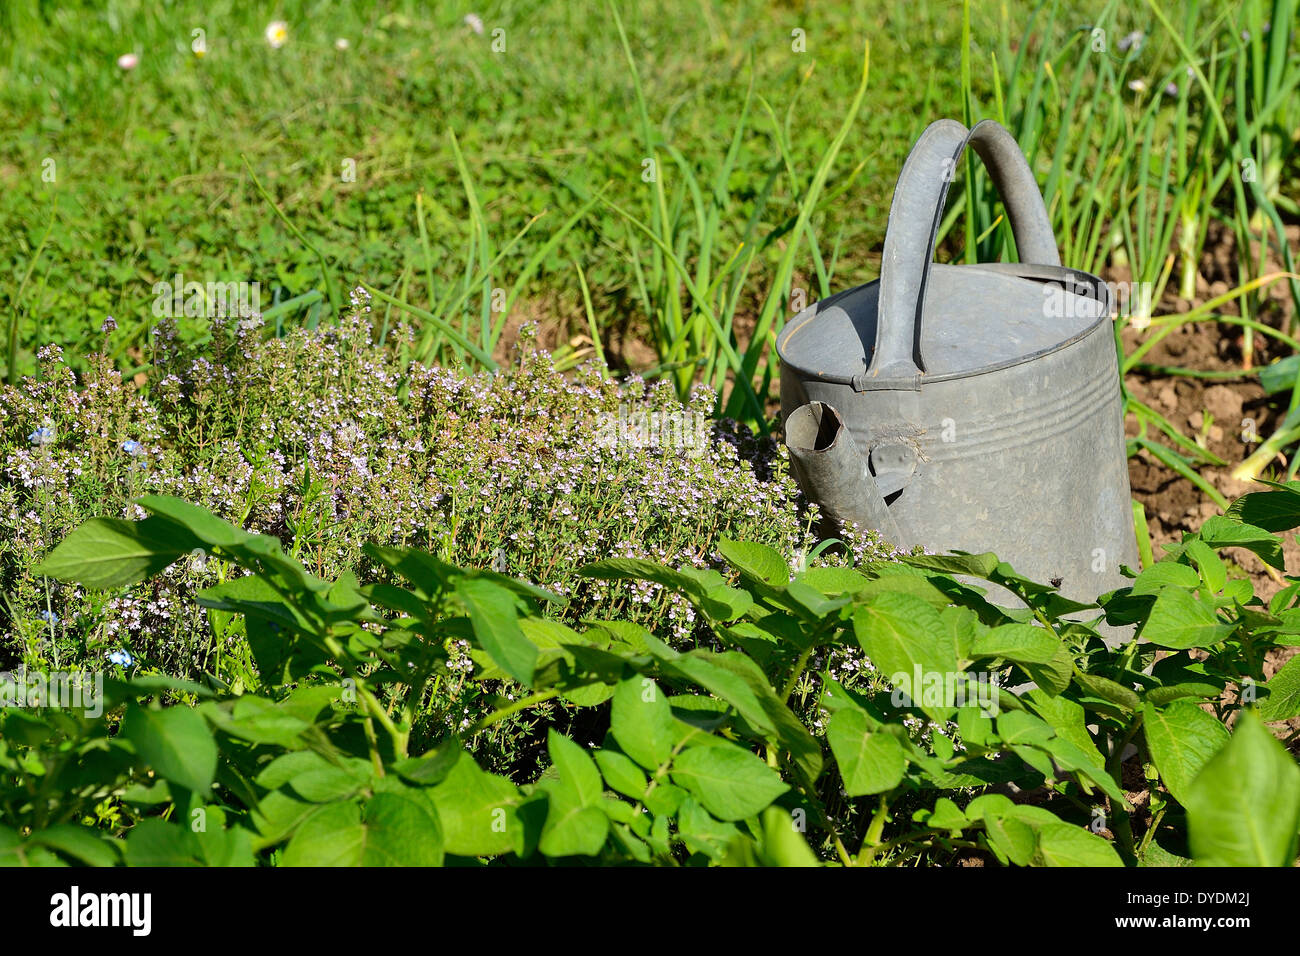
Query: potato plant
[740, 751]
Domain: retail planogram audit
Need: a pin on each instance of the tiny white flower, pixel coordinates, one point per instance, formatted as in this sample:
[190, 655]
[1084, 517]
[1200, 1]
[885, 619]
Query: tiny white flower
[128, 61]
[277, 33]
[474, 22]
[1137, 86]
[341, 43]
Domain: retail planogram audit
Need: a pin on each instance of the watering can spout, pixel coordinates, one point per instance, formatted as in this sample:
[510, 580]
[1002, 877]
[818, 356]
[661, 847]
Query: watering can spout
[834, 473]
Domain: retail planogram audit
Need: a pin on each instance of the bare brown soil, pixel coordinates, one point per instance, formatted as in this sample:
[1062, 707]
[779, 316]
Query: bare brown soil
[1225, 416]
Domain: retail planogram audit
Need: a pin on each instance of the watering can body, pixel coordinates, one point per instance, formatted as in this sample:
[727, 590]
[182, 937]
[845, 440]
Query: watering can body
[967, 407]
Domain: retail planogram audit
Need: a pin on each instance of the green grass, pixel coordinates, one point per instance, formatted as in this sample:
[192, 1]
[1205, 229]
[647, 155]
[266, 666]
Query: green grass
[150, 180]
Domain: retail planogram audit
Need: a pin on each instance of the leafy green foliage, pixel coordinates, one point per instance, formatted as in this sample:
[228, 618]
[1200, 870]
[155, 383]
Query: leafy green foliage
[711, 755]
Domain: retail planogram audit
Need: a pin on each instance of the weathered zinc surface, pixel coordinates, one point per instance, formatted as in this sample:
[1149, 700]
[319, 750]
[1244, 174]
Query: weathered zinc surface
[967, 407]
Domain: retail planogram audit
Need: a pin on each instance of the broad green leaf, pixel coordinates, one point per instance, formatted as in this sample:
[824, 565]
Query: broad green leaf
[15, 852]
[1283, 700]
[287, 766]
[783, 841]
[494, 615]
[780, 843]
[791, 734]
[708, 671]
[1213, 573]
[110, 552]
[83, 844]
[1036, 757]
[1271, 510]
[196, 520]
[636, 569]
[429, 576]
[869, 762]
[989, 803]
[1061, 844]
[1011, 838]
[725, 603]
[1017, 642]
[641, 720]
[962, 626]
[665, 799]
[1182, 677]
[621, 773]
[946, 815]
[1156, 855]
[402, 829]
[1165, 694]
[1052, 676]
[702, 833]
[270, 623]
[250, 550]
[1182, 739]
[1222, 532]
[431, 768]
[327, 784]
[904, 638]
[758, 561]
[901, 579]
[153, 842]
[575, 823]
[176, 743]
[1243, 808]
[1067, 718]
[477, 811]
[257, 720]
[975, 727]
[1178, 620]
[1018, 727]
[731, 783]
[1107, 689]
[810, 604]
[977, 565]
[834, 580]
[1155, 578]
[392, 829]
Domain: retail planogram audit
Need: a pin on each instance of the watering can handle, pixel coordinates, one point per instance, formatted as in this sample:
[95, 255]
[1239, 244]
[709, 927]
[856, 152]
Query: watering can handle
[913, 227]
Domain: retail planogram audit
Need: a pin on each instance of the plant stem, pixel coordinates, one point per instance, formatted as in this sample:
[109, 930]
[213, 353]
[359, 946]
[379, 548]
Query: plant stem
[871, 844]
[795, 674]
[1123, 828]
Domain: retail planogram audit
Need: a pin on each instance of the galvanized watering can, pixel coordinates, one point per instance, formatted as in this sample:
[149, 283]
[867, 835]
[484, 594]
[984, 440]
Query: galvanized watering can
[967, 407]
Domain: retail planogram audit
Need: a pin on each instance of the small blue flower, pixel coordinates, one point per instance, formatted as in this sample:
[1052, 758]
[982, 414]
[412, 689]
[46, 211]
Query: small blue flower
[132, 447]
[120, 657]
[42, 436]
[49, 617]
